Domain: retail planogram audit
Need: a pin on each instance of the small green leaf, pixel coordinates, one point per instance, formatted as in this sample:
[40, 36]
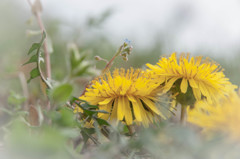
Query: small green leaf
[33, 74]
[34, 46]
[34, 58]
[102, 122]
[62, 92]
[89, 112]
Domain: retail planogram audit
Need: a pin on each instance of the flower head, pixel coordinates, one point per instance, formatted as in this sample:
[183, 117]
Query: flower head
[223, 116]
[127, 95]
[192, 78]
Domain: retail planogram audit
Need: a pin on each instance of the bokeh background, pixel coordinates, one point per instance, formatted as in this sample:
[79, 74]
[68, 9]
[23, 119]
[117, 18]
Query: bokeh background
[155, 28]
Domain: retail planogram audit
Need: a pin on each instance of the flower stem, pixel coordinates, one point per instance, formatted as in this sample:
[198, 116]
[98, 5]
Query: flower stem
[183, 114]
[130, 129]
[107, 67]
[46, 52]
[109, 64]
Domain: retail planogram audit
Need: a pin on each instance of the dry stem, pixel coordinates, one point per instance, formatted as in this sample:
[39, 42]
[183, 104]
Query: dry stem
[37, 13]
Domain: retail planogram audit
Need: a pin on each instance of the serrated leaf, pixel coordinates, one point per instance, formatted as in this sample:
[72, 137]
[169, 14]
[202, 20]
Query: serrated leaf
[89, 112]
[102, 122]
[34, 46]
[34, 58]
[33, 74]
[62, 92]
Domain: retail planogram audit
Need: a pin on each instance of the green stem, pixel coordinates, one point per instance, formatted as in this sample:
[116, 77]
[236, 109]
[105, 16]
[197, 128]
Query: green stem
[107, 67]
[130, 129]
[183, 114]
[109, 64]
[39, 61]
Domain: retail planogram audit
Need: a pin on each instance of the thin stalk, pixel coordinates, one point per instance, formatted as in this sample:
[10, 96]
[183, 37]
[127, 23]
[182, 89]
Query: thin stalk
[109, 64]
[107, 67]
[183, 114]
[36, 13]
[46, 52]
[130, 129]
[39, 68]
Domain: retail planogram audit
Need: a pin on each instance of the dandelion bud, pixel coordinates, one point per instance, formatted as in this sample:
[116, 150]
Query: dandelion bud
[125, 58]
[125, 44]
[98, 58]
[128, 50]
[124, 54]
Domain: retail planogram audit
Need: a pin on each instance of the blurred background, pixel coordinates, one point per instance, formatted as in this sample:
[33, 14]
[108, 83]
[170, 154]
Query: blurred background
[90, 28]
[201, 27]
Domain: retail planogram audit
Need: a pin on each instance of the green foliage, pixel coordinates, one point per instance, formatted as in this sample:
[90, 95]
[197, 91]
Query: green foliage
[33, 74]
[102, 122]
[15, 105]
[63, 117]
[46, 142]
[34, 47]
[61, 93]
[79, 64]
[15, 99]
[35, 58]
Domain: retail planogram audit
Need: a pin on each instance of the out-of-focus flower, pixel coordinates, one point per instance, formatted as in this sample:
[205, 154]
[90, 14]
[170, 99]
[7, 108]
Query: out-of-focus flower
[128, 95]
[205, 78]
[223, 116]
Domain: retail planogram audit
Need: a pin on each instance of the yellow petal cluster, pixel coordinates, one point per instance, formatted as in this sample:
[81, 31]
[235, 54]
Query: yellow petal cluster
[128, 95]
[224, 116]
[205, 77]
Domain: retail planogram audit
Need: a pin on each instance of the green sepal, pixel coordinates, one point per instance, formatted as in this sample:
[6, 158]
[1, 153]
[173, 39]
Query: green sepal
[33, 74]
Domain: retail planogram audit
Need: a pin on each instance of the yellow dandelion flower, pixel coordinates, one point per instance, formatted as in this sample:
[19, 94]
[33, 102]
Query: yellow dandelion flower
[205, 78]
[127, 95]
[220, 117]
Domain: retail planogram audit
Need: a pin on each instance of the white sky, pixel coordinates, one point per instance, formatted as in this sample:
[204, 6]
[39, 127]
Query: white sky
[187, 25]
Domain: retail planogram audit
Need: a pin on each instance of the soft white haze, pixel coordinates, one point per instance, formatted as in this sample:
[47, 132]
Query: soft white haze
[186, 25]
